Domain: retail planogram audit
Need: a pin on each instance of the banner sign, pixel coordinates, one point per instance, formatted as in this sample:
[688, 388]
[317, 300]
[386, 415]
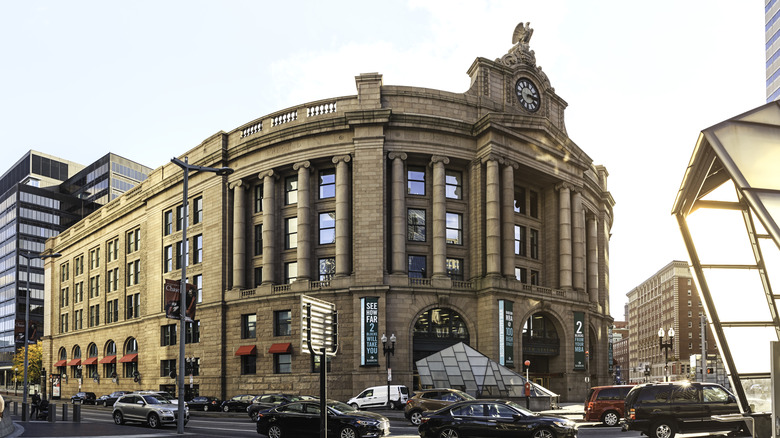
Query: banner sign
[610, 351]
[579, 341]
[173, 300]
[369, 331]
[506, 334]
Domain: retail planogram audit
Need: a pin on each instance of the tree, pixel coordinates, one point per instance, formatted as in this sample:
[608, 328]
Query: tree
[34, 363]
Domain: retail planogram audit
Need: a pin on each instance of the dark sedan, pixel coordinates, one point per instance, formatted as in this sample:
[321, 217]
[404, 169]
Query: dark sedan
[112, 398]
[203, 403]
[268, 401]
[493, 418]
[302, 418]
[238, 403]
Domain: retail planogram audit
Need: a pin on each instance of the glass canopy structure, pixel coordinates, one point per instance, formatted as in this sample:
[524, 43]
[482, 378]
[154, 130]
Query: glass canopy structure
[728, 208]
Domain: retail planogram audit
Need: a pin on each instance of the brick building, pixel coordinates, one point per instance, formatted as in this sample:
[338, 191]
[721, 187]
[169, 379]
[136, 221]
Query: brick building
[438, 209]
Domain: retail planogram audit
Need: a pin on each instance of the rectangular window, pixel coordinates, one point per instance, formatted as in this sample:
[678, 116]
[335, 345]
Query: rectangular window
[259, 239]
[133, 272]
[248, 364]
[534, 201]
[327, 183]
[249, 326]
[94, 258]
[291, 190]
[417, 266]
[534, 244]
[168, 335]
[113, 250]
[315, 363]
[520, 243]
[454, 228]
[77, 319]
[133, 306]
[65, 272]
[64, 323]
[134, 240]
[78, 292]
[197, 255]
[94, 286]
[167, 367]
[168, 222]
[78, 265]
[455, 269]
[282, 323]
[182, 258]
[192, 332]
[64, 297]
[327, 268]
[291, 232]
[197, 214]
[112, 311]
[327, 228]
[94, 315]
[415, 181]
[258, 198]
[534, 278]
[258, 276]
[197, 280]
[282, 363]
[453, 185]
[415, 225]
[179, 218]
[519, 200]
[168, 258]
[521, 275]
[290, 272]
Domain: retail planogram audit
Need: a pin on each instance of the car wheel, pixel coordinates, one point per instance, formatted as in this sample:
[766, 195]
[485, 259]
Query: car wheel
[448, 433]
[118, 418]
[205, 408]
[355, 405]
[415, 417]
[105, 404]
[225, 409]
[662, 429]
[274, 431]
[348, 432]
[253, 416]
[544, 433]
[610, 418]
[154, 421]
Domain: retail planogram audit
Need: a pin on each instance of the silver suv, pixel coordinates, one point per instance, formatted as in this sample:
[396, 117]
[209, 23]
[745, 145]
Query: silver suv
[154, 410]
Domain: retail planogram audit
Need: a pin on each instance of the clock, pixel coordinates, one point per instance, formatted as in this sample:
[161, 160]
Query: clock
[528, 94]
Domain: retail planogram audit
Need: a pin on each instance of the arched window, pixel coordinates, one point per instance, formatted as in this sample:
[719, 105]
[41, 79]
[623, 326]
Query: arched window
[110, 348]
[63, 354]
[131, 346]
[77, 352]
[92, 350]
[441, 323]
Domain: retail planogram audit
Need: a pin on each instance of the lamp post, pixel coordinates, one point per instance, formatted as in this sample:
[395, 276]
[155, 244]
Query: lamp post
[186, 167]
[665, 346]
[386, 350]
[16, 370]
[28, 256]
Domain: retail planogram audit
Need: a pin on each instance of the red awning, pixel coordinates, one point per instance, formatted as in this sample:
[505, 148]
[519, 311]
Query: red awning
[108, 359]
[246, 350]
[280, 348]
[61, 363]
[133, 357]
[90, 361]
[74, 362]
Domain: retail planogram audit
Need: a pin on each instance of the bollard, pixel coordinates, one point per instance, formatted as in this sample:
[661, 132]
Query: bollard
[64, 412]
[52, 412]
[77, 413]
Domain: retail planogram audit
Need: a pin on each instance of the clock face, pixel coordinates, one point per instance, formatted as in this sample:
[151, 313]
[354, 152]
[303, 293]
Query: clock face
[527, 94]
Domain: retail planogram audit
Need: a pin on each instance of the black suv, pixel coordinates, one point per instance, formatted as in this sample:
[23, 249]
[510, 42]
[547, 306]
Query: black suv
[83, 398]
[660, 410]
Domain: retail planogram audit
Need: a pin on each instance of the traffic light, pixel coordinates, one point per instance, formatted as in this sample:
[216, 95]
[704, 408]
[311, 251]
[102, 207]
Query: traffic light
[710, 370]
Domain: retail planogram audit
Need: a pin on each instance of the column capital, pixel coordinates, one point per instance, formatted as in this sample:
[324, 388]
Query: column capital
[492, 157]
[302, 164]
[238, 184]
[563, 185]
[267, 173]
[394, 155]
[511, 163]
[341, 158]
[439, 159]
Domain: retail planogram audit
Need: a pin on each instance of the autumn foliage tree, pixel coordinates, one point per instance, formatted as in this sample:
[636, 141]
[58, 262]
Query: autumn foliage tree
[34, 363]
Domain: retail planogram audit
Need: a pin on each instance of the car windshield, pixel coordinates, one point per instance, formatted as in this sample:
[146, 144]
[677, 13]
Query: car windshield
[522, 410]
[340, 407]
[156, 400]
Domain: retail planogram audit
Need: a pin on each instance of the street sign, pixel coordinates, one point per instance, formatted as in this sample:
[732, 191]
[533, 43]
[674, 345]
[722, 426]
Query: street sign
[319, 326]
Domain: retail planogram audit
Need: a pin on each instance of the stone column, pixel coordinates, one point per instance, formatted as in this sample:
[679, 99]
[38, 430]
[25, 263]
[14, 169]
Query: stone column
[304, 221]
[343, 241]
[398, 227]
[578, 242]
[269, 226]
[593, 259]
[239, 234]
[493, 216]
[507, 218]
[439, 217]
[564, 236]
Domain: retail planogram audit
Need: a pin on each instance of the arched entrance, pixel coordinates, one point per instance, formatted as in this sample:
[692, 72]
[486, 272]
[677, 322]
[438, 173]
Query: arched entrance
[541, 345]
[435, 330]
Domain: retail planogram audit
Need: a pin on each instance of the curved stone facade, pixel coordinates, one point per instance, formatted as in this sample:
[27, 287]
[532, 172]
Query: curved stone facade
[416, 199]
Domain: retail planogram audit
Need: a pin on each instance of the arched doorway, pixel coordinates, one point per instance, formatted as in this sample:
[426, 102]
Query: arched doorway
[435, 330]
[541, 345]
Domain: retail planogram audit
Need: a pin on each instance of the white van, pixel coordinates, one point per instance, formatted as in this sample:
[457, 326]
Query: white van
[377, 396]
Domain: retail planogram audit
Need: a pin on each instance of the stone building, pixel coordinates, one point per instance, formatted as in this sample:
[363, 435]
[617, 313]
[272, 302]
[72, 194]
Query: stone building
[439, 217]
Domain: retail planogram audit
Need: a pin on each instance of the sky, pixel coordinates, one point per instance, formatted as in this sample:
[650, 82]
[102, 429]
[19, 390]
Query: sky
[149, 80]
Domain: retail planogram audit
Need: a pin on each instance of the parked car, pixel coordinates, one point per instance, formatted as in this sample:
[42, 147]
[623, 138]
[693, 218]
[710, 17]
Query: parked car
[267, 401]
[493, 418]
[431, 400]
[606, 403]
[302, 418]
[112, 398]
[203, 403]
[100, 399]
[661, 410]
[153, 410]
[238, 403]
[83, 398]
[377, 396]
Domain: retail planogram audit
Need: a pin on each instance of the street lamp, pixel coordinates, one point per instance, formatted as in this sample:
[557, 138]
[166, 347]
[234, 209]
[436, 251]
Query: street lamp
[386, 350]
[16, 370]
[186, 167]
[665, 346]
[29, 256]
